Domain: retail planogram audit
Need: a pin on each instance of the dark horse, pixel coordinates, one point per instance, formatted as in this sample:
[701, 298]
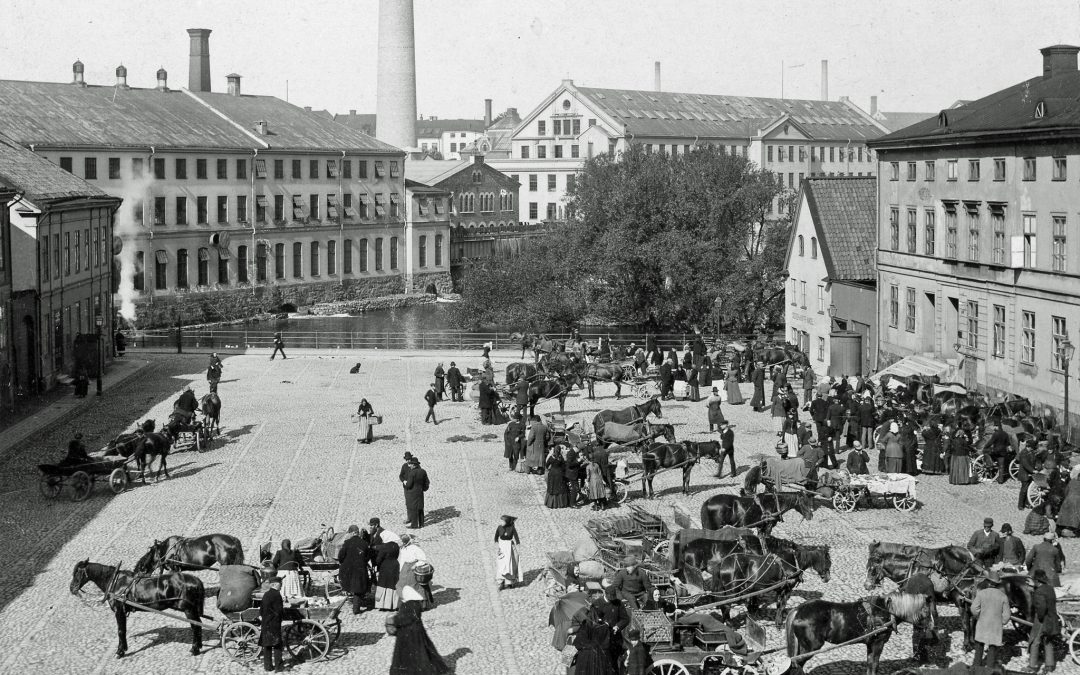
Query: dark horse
[514, 371]
[150, 447]
[604, 372]
[774, 356]
[670, 455]
[548, 389]
[210, 405]
[744, 574]
[634, 413]
[762, 511]
[947, 560]
[194, 553]
[183, 592]
[699, 552]
[816, 622]
[127, 443]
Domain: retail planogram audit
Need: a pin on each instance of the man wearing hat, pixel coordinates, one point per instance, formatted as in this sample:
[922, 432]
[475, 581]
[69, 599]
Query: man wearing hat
[403, 475]
[857, 459]
[453, 380]
[1046, 556]
[837, 414]
[992, 613]
[1045, 627]
[279, 346]
[432, 397]
[1013, 552]
[716, 415]
[76, 452]
[271, 610]
[985, 544]
[631, 583]
[416, 484]
[727, 449]
[638, 658]
[811, 455]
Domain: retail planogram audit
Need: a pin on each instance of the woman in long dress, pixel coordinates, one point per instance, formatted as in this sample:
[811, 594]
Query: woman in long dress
[592, 640]
[909, 442]
[367, 420]
[889, 444]
[597, 490]
[387, 569]
[557, 496]
[414, 652]
[705, 373]
[509, 568]
[535, 445]
[932, 460]
[288, 562]
[731, 386]
[960, 462]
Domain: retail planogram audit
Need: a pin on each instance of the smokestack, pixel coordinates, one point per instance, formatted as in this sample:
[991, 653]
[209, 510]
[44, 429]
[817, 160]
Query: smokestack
[199, 60]
[656, 76]
[487, 113]
[1058, 59]
[121, 76]
[873, 105]
[77, 73]
[162, 79]
[824, 80]
[234, 84]
[396, 88]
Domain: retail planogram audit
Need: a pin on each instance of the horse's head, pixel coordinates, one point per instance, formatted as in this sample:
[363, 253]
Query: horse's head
[153, 558]
[875, 572]
[818, 559]
[805, 504]
[653, 406]
[79, 577]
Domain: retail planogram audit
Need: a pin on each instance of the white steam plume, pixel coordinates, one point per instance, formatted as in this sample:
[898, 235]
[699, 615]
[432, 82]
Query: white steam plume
[129, 228]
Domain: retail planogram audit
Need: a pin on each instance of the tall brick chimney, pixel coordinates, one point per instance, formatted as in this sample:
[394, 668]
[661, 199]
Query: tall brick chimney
[234, 84]
[77, 70]
[199, 60]
[656, 76]
[395, 100]
[824, 80]
[162, 79]
[487, 113]
[1059, 59]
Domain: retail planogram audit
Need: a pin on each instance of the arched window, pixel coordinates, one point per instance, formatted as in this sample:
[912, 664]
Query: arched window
[802, 246]
[813, 247]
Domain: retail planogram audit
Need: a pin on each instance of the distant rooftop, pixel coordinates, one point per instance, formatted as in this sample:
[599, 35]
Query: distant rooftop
[38, 179]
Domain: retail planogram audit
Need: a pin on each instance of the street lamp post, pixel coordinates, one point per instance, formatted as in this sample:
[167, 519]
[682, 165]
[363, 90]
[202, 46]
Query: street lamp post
[99, 321]
[1067, 351]
[719, 302]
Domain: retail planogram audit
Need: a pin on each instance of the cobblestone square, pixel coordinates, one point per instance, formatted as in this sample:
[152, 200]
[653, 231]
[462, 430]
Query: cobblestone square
[289, 461]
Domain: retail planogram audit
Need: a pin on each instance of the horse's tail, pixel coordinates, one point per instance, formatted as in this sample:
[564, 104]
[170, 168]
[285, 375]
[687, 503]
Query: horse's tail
[789, 635]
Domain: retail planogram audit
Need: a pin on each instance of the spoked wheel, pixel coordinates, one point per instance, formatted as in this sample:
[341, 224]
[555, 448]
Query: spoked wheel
[1014, 469]
[667, 667]
[1074, 646]
[984, 473]
[307, 640]
[903, 502]
[662, 548]
[118, 480]
[240, 641]
[844, 501]
[1035, 495]
[621, 493]
[50, 486]
[81, 485]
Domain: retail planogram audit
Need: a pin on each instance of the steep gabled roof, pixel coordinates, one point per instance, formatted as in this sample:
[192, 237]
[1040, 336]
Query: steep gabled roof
[432, 171]
[41, 181]
[844, 213]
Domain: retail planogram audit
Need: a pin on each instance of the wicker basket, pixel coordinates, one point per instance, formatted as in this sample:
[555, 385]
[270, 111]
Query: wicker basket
[655, 627]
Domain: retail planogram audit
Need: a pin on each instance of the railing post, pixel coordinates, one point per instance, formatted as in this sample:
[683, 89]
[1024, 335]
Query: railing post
[316, 339]
[388, 339]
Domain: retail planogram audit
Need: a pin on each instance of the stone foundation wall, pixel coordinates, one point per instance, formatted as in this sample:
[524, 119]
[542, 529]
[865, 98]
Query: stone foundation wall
[443, 283]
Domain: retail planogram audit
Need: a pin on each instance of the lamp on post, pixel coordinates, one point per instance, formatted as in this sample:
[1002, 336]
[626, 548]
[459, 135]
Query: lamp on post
[1067, 352]
[719, 302]
[99, 322]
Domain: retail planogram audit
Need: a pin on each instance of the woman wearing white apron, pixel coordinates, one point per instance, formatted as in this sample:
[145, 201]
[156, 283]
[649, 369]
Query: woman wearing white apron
[508, 567]
[288, 562]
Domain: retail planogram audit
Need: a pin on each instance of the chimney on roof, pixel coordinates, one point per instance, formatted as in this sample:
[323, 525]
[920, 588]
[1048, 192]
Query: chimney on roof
[262, 128]
[656, 76]
[121, 76]
[478, 158]
[1059, 59]
[234, 84]
[307, 108]
[162, 79]
[77, 73]
[824, 79]
[352, 111]
[199, 60]
[487, 113]
[873, 106]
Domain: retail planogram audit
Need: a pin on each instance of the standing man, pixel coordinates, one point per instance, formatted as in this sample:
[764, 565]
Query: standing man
[996, 452]
[271, 611]
[866, 421]
[431, 398]
[514, 440]
[837, 412]
[819, 412]
[758, 401]
[809, 380]
[486, 402]
[521, 394]
[1047, 556]
[727, 449]
[454, 380]
[1026, 460]
[213, 372]
[716, 415]
[403, 475]
[985, 544]
[279, 346]
[1013, 553]
[416, 484]
[1045, 627]
[992, 613]
[440, 380]
[692, 383]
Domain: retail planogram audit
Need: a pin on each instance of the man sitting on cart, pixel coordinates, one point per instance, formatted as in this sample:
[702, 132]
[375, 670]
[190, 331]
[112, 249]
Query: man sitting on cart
[632, 584]
[186, 405]
[76, 452]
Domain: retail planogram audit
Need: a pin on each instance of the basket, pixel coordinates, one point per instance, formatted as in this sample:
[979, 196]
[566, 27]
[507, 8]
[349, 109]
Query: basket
[377, 419]
[423, 572]
[654, 626]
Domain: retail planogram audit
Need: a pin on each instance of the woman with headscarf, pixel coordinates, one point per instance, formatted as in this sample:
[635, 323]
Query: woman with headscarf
[353, 573]
[960, 459]
[507, 539]
[557, 496]
[932, 460]
[909, 443]
[592, 642]
[414, 652]
[597, 489]
[288, 561]
[366, 413]
[731, 387]
[386, 575]
[890, 450]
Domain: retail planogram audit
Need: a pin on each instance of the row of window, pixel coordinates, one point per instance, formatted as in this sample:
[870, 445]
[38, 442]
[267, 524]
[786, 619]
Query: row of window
[801, 339]
[818, 154]
[262, 269]
[315, 207]
[557, 151]
[552, 212]
[797, 295]
[562, 127]
[73, 253]
[466, 202]
[259, 167]
[813, 247]
[1023, 247]
[1028, 165]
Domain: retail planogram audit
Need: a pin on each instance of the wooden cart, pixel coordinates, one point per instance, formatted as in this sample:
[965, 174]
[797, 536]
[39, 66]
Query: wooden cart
[81, 477]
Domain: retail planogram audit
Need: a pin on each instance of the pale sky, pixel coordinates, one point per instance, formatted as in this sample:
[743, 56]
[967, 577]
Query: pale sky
[916, 55]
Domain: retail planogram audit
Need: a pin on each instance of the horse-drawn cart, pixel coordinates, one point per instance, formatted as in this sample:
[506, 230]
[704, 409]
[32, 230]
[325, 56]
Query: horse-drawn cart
[897, 489]
[698, 644]
[309, 630]
[81, 477]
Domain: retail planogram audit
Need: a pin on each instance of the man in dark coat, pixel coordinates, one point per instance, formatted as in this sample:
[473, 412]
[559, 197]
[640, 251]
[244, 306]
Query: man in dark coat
[638, 658]
[432, 398]
[1046, 626]
[415, 486]
[758, 401]
[996, 451]
[866, 422]
[985, 544]
[353, 573]
[271, 611]
[486, 402]
[1026, 460]
[857, 459]
[837, 412]
[513, 440]
[279, 346]
[454, 380]
[521, 393]
[727, 449]
[667, 380]
[809, 381]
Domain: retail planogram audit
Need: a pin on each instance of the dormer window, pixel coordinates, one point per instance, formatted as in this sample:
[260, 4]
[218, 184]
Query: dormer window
[943, 119]
[1040, 110]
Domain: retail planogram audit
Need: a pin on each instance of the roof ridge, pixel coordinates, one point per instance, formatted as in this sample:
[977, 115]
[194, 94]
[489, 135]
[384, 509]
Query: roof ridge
[237, 125]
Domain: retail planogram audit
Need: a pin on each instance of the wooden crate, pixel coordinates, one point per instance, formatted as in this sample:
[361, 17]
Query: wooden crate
[655, 627]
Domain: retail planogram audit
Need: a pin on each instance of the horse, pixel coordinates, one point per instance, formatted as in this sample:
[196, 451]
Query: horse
[638, 432]
[634, 413]
[180, 591]
[873, 619]
[761, 511]
[560, 362]
[947, 560]
[125, 444]
[514, 371]
[149, 447]
[604, 372]
[191, 553]
[210, 406]
[741, 574]
[698, 552]
[669, 455]
[548, 389]
[774, 356]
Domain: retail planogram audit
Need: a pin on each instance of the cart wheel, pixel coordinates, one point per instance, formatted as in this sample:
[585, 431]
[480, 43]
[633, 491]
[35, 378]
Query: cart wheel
[81, 484]
[662, 548]
[667, 667]
[1035, 495]
[307, 640]
[621, 493]
[981, 471]
[50, 486]
[903, 502]
[1074, 646]
[118, 481]
[1014, 469]
[240, 640]
[844, 500]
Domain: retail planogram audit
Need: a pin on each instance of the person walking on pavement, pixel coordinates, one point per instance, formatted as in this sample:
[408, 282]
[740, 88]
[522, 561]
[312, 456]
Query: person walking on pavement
[727, 450]
[692, 389]
[1045, 627]
[431, 398]
[440, 381]
[809, 380]
[866, 421]
[353, 571]
[1047, 556]
[536, 445]
[1026, 472]
[716, 415]
[514, 440]
[521, 394]
[509, 569]
[271, 612]
[757, 402]
[416, 484]
[279, 346]
[992, 613]
[366, 416]
[454, 380]
[985, 544]
[414, 652]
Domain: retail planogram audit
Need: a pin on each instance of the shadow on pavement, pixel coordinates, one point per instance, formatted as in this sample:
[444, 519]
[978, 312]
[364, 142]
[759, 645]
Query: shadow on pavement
[455, 656]
[441, 514]
[446, 596]
[164, 634]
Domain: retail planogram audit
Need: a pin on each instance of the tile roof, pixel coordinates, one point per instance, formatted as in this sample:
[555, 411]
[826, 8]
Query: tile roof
[844, 210]
[68, 115]
[671, 114]
[895, 121]
[37, 178]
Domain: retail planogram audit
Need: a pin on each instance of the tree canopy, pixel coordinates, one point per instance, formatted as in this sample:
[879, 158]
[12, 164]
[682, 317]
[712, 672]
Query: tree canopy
[651, 239]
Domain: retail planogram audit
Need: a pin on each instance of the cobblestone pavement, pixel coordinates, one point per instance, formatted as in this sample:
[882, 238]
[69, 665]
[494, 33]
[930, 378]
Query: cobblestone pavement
[289, 461]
